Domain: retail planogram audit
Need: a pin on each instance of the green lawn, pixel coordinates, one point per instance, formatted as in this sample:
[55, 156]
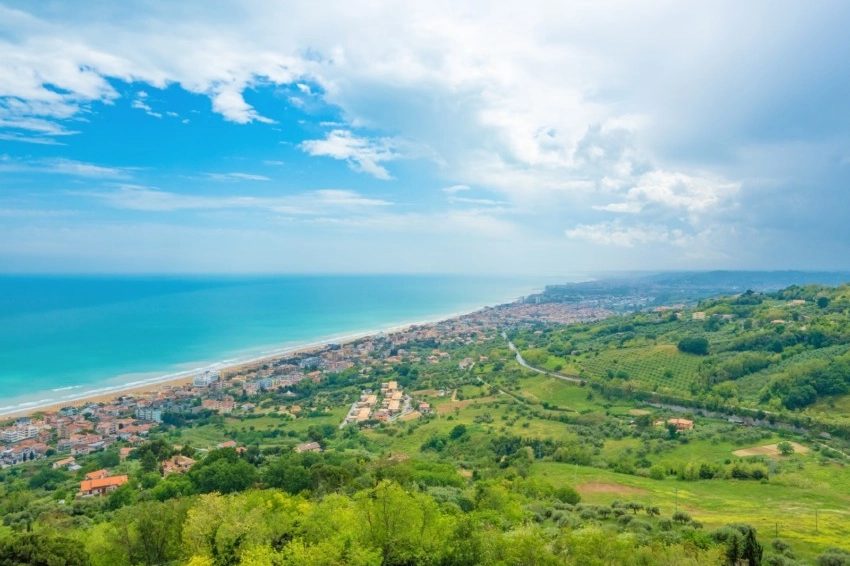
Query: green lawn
[770, 507]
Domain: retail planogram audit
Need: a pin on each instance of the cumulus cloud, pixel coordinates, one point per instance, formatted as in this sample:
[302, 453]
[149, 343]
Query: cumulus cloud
[362, 155]
[634, 113]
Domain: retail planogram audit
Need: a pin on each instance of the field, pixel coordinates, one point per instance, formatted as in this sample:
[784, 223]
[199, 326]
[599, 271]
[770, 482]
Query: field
[805, 501]
[769, 450]
[256, 430]
[809, 518]
[651, 367]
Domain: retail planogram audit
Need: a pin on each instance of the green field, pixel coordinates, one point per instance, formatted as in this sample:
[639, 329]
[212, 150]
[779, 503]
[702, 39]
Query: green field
[646, 367]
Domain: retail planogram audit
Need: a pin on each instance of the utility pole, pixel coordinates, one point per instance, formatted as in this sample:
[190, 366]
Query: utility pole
[816, 521]
[677, 500]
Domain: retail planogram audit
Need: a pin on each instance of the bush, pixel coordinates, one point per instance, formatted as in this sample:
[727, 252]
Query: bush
[656, 472]
[834, 557]
[696, 346]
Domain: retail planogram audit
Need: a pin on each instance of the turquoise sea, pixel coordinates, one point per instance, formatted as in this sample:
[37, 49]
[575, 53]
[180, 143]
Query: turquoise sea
[63, 338]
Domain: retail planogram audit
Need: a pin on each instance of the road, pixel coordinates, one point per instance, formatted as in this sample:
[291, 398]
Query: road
[526, 365]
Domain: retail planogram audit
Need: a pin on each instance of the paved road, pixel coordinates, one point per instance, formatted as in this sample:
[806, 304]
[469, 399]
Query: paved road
[526, 365]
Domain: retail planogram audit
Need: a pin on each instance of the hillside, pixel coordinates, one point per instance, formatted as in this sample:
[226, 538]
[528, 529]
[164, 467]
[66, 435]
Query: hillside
[783, 353]
[636, 463]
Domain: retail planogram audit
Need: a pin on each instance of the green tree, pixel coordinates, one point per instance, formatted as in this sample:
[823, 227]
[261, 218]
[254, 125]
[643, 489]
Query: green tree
[42, 550]
[288, 475]
[457, 432]
[224, 476]
[407, 528]
[693, 345]
[785, 448]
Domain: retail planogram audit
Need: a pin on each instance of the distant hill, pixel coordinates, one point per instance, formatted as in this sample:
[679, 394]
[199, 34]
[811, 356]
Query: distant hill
[628, 291]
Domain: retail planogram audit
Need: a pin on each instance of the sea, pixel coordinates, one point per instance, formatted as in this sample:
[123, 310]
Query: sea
[63, 338]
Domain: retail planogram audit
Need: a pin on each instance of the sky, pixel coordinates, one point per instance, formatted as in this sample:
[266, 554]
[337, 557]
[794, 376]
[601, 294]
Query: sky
[424, 137]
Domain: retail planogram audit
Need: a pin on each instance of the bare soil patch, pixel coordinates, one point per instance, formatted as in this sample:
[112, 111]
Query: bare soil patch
[410, 416]
[769, 450]
[638, 412]
[448, 407]
[615, 488]
[426, 393]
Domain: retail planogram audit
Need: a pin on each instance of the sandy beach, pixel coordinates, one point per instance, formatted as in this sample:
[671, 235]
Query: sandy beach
[226, 369]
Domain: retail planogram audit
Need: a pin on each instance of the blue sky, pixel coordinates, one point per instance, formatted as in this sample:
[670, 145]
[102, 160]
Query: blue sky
[547, 138]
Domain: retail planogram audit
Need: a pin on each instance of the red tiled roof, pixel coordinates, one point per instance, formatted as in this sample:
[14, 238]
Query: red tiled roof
[89, 485]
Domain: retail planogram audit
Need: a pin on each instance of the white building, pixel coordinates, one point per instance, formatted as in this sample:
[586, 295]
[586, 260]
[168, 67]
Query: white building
[19, 433]
[206, 379]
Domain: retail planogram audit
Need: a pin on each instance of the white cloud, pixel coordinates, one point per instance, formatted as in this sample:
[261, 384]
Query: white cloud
[141, 105]
[477, 201]
[348, 198]
[454, 189]
[567, 114]
[615, 234]
[61, 166]
[228, 101]
[139, 197]
[363, 155]
[38, 140]
[236, 176]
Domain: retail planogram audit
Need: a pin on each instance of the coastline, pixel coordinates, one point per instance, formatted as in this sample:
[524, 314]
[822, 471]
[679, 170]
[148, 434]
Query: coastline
[110, 394]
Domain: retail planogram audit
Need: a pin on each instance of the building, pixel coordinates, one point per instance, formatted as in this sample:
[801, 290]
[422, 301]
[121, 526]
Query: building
[681, 424]
[19, 432]
[177, 464]
[64, 463]
[308, 447]
[224, 406]
[206, 379]
[312, 362]
[98, 474]
[149, 414]
[101, 486]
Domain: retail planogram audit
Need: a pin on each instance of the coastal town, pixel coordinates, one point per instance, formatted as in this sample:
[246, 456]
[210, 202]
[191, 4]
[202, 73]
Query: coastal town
[81, 428]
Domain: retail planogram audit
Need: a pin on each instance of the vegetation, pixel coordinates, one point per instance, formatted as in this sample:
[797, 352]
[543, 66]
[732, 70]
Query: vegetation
[510, 467]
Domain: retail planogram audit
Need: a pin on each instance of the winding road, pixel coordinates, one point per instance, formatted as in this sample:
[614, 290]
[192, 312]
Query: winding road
[521, 361]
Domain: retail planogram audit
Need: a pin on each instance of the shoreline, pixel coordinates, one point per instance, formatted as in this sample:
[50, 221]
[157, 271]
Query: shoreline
[110, 394]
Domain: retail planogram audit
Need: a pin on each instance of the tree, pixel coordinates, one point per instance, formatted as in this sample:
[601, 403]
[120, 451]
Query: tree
[406, 527]
[823, 302]
[42, 550]
[567, 494]
[149, 462]
[288, 475]
[223, 476]
[694, 345]
[457, 432]
[785, 448]
[48, 479]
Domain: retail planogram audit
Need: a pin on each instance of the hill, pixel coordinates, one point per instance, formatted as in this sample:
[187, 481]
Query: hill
[636, 452]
